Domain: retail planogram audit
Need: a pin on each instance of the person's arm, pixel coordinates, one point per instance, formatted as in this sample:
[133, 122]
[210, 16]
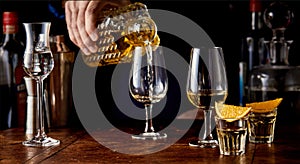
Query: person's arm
[81, 19]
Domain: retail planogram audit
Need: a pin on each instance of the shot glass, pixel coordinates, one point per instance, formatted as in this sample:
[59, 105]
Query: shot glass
[261, 126]
[231, 135]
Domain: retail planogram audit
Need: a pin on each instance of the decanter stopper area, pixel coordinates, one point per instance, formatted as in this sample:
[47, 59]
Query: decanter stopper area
[278, 17]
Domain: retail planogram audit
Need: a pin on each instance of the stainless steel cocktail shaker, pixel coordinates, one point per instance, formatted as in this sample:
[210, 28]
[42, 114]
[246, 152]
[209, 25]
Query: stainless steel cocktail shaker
[59, 84]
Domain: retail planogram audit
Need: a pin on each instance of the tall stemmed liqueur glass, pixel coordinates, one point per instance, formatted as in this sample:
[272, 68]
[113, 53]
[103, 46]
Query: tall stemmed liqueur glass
[38, 63]
[148, 84]
[206, 84]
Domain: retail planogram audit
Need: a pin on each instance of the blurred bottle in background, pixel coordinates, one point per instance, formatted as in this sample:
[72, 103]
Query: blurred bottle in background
[277, 78]
[12, 86]
[252, 48]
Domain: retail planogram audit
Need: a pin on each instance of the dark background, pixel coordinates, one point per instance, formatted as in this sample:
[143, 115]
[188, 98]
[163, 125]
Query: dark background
[226, 22]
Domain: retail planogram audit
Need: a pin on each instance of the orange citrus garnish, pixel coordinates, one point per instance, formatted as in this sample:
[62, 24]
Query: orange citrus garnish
[264, 106]
[231, 112]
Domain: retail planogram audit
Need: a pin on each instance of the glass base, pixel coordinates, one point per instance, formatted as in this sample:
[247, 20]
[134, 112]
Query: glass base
[262, 139]
[233, 152]
[41, 142]
[150, 135]
[204, 143]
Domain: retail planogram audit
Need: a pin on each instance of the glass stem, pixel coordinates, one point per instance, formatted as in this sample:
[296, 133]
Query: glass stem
[207, 125]
[41, 130]
[149, 127]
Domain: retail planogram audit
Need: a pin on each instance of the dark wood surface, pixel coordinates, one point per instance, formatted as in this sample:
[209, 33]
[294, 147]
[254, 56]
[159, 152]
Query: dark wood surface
[78, 146]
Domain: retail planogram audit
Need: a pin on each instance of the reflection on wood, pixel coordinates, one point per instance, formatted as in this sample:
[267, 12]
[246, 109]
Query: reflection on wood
[117, 147]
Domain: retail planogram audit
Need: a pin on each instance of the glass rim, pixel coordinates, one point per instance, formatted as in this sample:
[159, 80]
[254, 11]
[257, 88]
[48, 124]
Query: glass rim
[36, 22]
[215, 47]
[246, 117]
[263, 112]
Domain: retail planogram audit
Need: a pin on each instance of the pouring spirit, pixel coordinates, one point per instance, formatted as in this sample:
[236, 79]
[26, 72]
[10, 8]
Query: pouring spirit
[121, 30]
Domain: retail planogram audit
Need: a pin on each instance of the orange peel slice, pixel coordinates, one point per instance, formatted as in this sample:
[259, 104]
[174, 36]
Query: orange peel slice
[264, 106]
[231, 112]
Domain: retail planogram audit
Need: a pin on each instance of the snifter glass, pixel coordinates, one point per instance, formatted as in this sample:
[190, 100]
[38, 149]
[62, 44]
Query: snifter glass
[148, 84]
[38, 64]
[206, 84]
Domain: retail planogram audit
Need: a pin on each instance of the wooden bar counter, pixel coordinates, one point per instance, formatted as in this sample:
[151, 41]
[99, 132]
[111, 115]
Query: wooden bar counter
[78, 146]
